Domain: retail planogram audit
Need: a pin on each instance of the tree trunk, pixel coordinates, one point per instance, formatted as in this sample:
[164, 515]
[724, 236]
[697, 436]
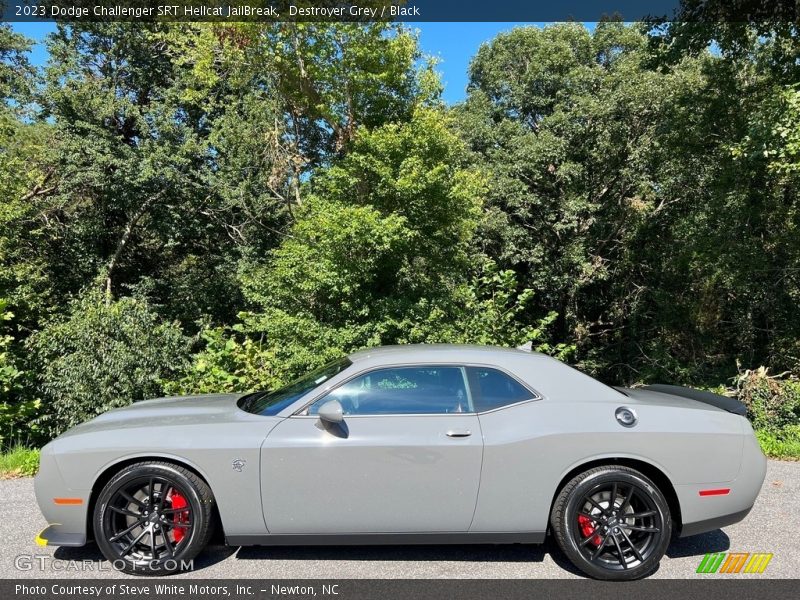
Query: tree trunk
[123, 241]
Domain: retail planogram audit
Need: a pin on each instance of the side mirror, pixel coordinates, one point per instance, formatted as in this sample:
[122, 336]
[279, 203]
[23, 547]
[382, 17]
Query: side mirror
[331, 412]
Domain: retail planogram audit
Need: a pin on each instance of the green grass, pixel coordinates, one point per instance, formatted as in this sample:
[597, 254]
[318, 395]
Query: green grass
[782, 443]
[19, 462]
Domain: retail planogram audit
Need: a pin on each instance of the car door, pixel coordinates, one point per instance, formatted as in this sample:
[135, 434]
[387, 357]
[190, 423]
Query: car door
[406, 458]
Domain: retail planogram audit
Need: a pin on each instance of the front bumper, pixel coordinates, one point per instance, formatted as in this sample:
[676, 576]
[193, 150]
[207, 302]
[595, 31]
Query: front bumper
[53, 536]
[64, 508]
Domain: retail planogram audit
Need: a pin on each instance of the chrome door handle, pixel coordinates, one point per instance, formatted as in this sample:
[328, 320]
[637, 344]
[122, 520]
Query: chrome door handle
[459, 433]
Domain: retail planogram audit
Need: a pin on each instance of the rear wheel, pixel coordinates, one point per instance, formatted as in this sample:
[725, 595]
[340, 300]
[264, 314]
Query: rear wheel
[152, 518]
[612, 522]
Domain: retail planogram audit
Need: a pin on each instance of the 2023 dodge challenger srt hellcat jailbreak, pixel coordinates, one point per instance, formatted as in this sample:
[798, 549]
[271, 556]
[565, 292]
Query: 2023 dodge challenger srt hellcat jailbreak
[408, 445]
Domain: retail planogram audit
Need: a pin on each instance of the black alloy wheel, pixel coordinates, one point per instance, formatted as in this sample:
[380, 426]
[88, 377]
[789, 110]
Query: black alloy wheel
[152, 518]
[613, 523]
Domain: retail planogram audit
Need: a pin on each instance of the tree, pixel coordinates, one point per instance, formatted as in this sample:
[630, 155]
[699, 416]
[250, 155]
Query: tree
[103, 355]
[24, 178]
[730, 271]
[334, 78]
[385, 231]
[568, 133]
[759, 34]
[625, 191]
[381, 252]
[624, 196]
[23, 286]
[128, 152]
[173, 141]
[16, 73]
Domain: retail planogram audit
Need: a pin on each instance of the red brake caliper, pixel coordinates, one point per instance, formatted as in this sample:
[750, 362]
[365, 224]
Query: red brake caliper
[588, 529]
[177, 500]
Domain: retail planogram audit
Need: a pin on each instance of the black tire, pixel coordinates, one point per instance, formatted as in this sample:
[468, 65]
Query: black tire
[620, 540]
[152, 518]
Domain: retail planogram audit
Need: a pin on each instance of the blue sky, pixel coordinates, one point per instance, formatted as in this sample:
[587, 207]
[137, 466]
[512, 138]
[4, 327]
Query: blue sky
[452, 43]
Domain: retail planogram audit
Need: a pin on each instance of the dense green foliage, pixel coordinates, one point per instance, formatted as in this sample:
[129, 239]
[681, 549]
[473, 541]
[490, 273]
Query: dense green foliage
[773, 407]
[637, 197]
[101, 356]
[784, 443]
[16, 409]
[772, 403]
[205, 207]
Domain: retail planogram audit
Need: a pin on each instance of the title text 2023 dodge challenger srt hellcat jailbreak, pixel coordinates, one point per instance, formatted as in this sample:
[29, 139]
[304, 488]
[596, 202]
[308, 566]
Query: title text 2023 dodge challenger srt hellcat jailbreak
[408, 445]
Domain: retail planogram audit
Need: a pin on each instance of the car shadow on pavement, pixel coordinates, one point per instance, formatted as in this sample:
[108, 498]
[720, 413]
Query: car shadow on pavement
[90, 552]
[714, 541]
[696, 545]
[469, 552]
[512, 553]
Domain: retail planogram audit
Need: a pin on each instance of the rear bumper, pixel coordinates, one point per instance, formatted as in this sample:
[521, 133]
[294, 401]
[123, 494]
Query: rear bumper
[700, 514]
[713, 523]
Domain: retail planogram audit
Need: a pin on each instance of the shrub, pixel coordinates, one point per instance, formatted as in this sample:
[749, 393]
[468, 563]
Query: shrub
[772, 403]
[29, 464]
[489, 310]
[265, 351]
[226, 364]
[15, 410]
[782, 443]
[103, 356]
[272, 347]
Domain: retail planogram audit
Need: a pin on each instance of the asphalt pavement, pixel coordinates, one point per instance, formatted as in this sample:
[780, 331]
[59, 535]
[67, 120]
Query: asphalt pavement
[772, 526]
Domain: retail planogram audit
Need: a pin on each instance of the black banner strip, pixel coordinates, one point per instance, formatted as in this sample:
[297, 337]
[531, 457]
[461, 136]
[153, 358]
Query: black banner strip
[399, 10]
[175, 588]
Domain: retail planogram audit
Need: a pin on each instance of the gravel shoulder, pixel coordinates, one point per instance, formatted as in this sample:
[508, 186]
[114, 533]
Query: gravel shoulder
[772, 526]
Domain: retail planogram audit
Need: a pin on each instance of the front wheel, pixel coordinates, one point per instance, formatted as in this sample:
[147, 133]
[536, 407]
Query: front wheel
[152, 518]
[612, 522]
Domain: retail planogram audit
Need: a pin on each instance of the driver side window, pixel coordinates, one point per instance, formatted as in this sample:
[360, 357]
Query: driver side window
[402, 391]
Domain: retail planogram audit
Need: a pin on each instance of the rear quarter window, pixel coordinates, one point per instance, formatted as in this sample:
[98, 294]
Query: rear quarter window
[493, 389]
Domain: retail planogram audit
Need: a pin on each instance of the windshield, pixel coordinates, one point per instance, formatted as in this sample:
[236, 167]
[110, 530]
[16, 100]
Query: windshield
[271, 403]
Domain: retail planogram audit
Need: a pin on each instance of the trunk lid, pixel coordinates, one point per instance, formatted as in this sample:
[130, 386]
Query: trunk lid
[685, 396]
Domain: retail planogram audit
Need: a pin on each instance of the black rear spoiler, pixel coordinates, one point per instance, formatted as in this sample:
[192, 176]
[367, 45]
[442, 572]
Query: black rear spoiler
[732, 405]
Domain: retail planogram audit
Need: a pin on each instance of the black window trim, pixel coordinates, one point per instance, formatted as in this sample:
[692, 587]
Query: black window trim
[535, 396]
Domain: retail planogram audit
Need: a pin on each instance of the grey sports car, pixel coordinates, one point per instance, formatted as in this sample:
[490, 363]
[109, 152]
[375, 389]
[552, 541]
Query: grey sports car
[408, 445]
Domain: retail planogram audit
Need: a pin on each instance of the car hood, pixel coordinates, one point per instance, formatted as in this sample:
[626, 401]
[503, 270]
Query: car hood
[178, 410]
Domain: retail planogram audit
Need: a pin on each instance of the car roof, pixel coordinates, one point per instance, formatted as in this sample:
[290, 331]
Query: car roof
[427, 353]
